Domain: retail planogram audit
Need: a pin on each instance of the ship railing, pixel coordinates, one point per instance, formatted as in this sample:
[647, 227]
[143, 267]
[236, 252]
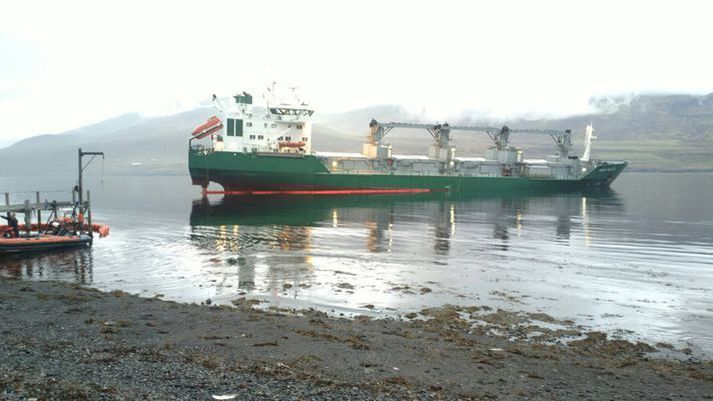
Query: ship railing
[202, 149]
[603, 161]
[451, 174]
[412, 173]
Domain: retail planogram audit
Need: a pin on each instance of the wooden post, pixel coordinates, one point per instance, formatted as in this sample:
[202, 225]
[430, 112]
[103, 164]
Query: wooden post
[7, 202]
[39, 214]
[28, 221]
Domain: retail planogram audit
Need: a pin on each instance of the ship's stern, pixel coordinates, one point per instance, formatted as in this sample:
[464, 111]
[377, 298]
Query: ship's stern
[198, 165]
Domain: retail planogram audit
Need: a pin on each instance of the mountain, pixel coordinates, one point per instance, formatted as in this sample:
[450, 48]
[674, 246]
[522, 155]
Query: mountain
[654, 132]
[133, 145]
[644, 117]
[356, 122]
[345, 132]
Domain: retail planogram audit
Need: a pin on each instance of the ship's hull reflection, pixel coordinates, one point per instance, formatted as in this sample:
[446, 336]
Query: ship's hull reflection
[291, 220]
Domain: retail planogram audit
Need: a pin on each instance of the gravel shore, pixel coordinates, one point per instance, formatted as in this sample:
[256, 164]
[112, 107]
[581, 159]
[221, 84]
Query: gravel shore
[62, 341]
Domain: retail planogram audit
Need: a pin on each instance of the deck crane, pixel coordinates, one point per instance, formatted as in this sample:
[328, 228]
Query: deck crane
[441, 134]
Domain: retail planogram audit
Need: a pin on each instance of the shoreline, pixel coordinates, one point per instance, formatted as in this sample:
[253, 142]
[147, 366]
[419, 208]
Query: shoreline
[64, 341]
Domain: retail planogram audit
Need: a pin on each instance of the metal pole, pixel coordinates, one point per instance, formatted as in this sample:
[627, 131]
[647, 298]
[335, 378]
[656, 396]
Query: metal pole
[80, 185]
[89, 213]
[7, 202]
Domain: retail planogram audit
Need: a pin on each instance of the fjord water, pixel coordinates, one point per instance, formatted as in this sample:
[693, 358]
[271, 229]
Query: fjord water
[636, 261]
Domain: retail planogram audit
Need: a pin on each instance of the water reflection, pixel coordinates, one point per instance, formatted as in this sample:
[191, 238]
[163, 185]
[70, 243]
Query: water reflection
[444, 222]
[238, 224]
[323, 249]
[73, 265]
[267, 237]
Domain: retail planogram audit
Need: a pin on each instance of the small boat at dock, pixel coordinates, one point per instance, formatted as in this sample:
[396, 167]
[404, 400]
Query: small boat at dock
[68, 224]
[49, 237]
[43, 242]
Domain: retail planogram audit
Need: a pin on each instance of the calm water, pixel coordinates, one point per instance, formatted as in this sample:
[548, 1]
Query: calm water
[638, 258]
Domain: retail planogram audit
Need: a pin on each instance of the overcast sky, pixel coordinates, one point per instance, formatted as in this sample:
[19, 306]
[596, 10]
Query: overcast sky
[66, 64]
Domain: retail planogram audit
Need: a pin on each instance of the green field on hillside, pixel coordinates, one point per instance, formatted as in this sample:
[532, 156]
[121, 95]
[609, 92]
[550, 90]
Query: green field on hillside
[658, 154]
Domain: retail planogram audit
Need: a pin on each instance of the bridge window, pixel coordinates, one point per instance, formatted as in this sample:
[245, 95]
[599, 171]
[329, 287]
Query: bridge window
[252, 136]
[260, 137]
[299, 126]
[304, 139]
[238, 127]
[249, 124]
[235, 127]
[273, 125]
[288, 138]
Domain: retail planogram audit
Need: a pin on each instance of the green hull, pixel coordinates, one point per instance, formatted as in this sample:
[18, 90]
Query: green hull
[271, 172]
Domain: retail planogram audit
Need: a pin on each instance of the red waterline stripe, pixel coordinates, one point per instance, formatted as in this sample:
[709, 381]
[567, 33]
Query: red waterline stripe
[373, 191]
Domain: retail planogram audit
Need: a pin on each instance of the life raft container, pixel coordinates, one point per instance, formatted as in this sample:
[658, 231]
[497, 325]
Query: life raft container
[212, 125]
[288, 144]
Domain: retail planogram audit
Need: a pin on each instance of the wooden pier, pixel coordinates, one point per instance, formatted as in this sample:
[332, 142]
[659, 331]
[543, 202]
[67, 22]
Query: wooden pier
[80, 206]
[27, 208]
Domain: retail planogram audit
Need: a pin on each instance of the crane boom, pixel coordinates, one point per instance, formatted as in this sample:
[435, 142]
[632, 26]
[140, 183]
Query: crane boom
[441, 133]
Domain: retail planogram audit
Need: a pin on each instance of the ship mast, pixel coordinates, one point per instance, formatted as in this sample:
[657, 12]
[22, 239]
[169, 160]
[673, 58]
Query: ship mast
[588, 136]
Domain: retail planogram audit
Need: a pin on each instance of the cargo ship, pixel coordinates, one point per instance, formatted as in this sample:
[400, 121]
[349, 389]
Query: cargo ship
[267, 150]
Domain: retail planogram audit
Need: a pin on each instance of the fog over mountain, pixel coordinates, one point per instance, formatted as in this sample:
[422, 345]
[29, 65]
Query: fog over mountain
[654, 132]
[6, 142]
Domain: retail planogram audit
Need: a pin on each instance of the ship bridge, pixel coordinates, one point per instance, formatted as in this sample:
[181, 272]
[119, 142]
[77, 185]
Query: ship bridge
[283, 125]
[291, 111]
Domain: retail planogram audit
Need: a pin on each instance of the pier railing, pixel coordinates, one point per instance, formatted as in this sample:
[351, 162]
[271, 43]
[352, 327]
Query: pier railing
[38, 205]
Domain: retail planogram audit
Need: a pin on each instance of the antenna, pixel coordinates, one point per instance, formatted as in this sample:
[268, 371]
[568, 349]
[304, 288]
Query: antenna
[270, 95]
[296, 95]
[217, 104]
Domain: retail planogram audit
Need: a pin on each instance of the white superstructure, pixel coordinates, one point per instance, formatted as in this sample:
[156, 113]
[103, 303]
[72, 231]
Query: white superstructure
[283, 125]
